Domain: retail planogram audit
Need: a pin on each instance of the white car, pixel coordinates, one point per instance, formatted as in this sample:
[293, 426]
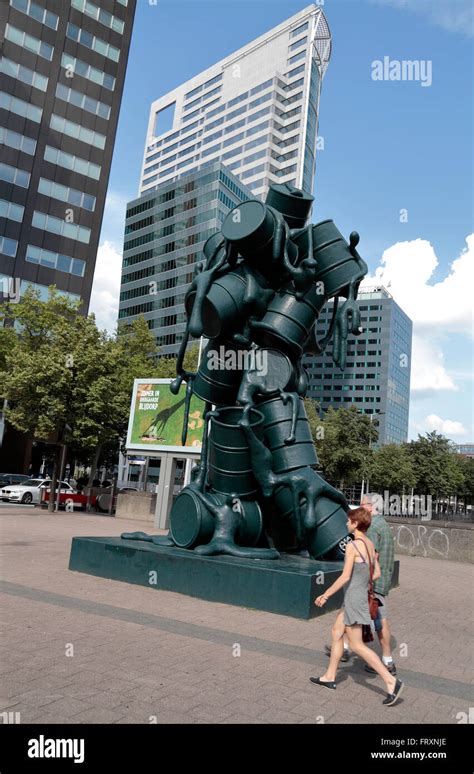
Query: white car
[30, 491]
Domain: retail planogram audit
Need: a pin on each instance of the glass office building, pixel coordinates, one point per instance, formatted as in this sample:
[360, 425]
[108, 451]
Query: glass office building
[376, 379]
[62, 73]
[164, 235]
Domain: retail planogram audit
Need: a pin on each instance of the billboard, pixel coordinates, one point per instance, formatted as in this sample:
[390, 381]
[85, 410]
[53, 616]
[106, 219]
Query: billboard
[156, 418]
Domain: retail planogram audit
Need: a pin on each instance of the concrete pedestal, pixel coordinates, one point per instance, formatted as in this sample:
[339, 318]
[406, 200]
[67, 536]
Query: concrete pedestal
[287, 586]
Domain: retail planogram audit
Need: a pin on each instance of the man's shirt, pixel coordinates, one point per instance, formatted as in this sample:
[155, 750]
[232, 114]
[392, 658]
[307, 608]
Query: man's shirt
[381, 536]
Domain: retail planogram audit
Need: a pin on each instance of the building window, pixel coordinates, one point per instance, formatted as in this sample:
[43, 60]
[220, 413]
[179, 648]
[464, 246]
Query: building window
[14, 175]
[39, 47]
[11, 211]
[8, 246]
[299, 30]
[296, 57]
[92, 41]
[193, 92]
[78, 67]
[104, 17]
[55, 261]
[23, 74]
[66, 194]
[21, 108]
[214, 80]
[77, 131]
[17, 141]
[45, 17]
[60, 227]
[43, 291]
[73, 163]
[83, 101]
[298, 43]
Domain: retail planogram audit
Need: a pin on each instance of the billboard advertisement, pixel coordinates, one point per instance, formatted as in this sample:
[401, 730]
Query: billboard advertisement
[156, 418]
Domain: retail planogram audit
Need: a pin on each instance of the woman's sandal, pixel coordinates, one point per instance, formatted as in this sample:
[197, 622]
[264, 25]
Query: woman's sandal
[326, 683]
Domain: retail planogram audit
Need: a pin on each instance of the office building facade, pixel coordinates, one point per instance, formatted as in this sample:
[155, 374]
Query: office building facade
[249, 120]
[376, 379]
[164, 234]
[256, 110]
[63, 68]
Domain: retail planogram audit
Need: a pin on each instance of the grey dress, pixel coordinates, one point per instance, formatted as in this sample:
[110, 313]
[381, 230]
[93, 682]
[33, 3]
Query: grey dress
[356, 601]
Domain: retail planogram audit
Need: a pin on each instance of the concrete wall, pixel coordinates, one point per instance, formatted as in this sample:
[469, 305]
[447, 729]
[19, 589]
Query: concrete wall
[434, 539]
[139, 506]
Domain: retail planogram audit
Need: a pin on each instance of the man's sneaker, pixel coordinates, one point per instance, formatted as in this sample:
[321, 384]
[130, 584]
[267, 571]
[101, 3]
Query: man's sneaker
[346, 654]
[391, 668]
[392, 698]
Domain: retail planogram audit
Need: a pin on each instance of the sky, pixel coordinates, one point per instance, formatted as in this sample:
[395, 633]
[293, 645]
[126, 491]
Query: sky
[396, 163]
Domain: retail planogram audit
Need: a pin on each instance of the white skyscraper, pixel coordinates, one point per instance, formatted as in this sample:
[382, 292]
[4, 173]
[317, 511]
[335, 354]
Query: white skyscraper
[227, 134]
[256, 111]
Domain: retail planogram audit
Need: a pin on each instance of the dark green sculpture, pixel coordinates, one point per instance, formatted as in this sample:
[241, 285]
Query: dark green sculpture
[257, 296]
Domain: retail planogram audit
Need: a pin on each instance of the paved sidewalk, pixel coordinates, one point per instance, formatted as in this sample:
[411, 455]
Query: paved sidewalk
[76, 648]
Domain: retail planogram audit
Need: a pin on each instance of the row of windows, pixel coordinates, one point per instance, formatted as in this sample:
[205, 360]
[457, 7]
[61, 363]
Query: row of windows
[55, 261]
[77, 131]
[104, 17]
[92, 41]
[66, 194]
[132, 311]
[205, 85]
[199, 100]
[20, 107]
[73, 163]
[48, 18]
[77, 66]
[83, 101]
[37, 46]
[14, 175]
[11, 211]
[61, 227]
[17, 141]
[23, 74]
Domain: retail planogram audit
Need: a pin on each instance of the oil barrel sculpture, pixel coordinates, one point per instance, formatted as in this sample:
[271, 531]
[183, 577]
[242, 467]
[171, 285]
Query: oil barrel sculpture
[256, 297]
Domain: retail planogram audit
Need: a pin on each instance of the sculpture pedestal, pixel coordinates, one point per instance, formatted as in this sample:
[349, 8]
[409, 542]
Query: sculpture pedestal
[286, 586]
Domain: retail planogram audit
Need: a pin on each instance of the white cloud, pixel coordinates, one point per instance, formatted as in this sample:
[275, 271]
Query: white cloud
[428, 371]
[445, 305]
[436, 308]
[446, 427]
[454, 16]
[106, 287]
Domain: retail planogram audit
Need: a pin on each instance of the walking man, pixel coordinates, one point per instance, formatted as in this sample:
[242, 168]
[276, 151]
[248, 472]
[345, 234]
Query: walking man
[380, 534]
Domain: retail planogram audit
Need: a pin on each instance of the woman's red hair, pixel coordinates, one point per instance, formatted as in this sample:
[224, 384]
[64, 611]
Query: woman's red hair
[361, 517]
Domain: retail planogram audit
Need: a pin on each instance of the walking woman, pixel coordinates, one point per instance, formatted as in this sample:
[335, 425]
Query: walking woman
[360, 554]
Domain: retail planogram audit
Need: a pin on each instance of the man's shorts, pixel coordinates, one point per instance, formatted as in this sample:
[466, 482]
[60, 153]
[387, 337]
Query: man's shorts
[383, 613]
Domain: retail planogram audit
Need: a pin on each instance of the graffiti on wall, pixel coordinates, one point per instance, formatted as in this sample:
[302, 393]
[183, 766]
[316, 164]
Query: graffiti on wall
[421, 541]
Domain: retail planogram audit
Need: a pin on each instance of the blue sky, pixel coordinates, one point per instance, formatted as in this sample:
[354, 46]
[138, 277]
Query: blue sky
[388, 146]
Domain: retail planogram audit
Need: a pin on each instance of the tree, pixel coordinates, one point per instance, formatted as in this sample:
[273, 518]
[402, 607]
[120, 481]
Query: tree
[391, 468]
[434, 460]
[68, 382]
[345, 448]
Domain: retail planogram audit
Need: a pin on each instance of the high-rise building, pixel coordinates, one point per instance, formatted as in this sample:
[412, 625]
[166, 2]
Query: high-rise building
[376, 379]
[164, 234]
[256, 110]
[63, 68]
[250, 120]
